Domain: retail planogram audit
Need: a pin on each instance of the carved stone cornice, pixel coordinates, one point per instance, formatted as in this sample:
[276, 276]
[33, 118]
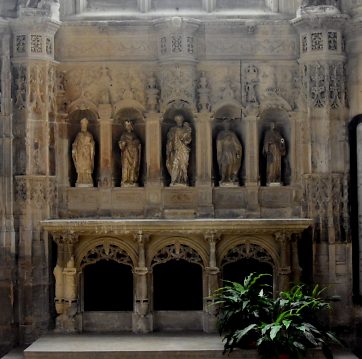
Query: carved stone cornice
[310, 22]
[164, 226]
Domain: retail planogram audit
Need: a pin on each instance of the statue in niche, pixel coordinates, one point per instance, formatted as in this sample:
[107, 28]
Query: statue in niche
[273, 149]
[229, 154]
[83, 155]
[130, 147]
[178, 151]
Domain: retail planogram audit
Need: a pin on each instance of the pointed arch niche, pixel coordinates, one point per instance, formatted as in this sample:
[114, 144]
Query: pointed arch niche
[281, 119]
[106, 284]
[128, 110]
[175, 108]
[228, 115]
[78, 110]
[178, 287]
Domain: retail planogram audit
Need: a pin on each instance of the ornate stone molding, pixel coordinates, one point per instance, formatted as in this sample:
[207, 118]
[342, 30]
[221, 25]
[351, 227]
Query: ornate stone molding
[152, 226]
[326, 200]
[247, 251]
[106, 251]
[176, 251]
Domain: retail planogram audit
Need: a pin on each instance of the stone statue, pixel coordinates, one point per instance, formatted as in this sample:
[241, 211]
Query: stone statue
[130, 147]
[83, 155]
[229, 154]
[178, 151]
[273, 149]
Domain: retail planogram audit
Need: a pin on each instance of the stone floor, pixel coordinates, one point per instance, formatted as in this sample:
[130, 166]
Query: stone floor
[168, 346]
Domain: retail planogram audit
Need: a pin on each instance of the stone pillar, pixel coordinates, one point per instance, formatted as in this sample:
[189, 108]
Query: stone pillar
[209, 5]
[322, 68]
[7, 233]
[359, 176]
[296, 269]
[153, 152]
[142, 319]
[66, 292]
[251, 151]
[203, 124]
[285, 263]
[34, 104]
[212, 283]
[105, 131]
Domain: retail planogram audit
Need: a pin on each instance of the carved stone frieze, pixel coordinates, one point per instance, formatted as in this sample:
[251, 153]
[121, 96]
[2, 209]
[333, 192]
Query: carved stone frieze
[323, 84]
[39, 191]
[326, 201]
[177, 83]
[104, 84]
[119, 45]
[37, 88]
[20, 78]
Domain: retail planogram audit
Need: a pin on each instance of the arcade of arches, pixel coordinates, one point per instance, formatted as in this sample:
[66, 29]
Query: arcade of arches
[156, 271]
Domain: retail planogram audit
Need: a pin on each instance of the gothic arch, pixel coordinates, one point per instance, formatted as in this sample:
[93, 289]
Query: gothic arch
[92, 251]
[83, 104]
[170, 248]
[126, 105]
[227, 108]
[262, 249]
[273, 101]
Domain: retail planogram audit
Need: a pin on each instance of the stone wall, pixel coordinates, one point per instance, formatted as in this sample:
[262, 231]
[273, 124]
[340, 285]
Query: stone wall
[254, 67]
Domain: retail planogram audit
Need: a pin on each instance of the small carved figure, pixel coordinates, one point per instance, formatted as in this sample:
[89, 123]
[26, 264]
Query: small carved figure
[273, 149]
[229, 154]
[152, 94]
[130, 147]
[83, 155]
[251, 83]
[228, 92]
[203, 91]
[178, 151]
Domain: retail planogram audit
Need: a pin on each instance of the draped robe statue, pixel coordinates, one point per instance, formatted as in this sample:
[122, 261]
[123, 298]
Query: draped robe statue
[83, 155]
[273, 149]
[130, 147]
[178, 151]
[229, 154]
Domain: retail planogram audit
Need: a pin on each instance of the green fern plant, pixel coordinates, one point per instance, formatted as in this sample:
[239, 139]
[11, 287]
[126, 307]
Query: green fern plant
[247, 312]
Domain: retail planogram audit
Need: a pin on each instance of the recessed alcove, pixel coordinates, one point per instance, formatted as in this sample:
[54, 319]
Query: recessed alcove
[108, 286]
[228, 117]
[239, 270]
[177, 285]
[74, 128]
[118, 129]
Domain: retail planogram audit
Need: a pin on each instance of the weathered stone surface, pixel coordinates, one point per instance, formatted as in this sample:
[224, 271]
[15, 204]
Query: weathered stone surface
[250, 63]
